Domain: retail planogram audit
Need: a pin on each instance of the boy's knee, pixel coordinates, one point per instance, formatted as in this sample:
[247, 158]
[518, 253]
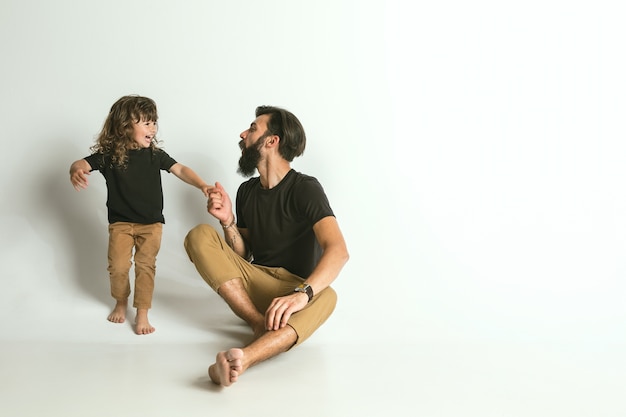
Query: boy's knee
[119, 268]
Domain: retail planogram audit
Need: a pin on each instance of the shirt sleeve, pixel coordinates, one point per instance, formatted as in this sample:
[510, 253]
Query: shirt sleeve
[311, 201]
[96, 161]
[165, 161]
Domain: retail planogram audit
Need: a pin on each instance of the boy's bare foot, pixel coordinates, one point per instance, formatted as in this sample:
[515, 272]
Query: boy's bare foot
[118, 315]
[142, 325]
[227, 367]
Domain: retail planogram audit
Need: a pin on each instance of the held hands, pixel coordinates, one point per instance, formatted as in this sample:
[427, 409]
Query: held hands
[219, 204]
[206, 189]
[282, 308]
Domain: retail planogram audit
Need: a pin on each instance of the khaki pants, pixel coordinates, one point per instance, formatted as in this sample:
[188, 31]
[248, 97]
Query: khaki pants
[146, 240]
[217, 263]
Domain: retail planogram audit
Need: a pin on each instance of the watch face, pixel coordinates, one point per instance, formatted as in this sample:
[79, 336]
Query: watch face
[305, 288]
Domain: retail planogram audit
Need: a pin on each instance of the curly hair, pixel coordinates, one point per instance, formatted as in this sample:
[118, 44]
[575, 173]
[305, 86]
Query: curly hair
[116, 137]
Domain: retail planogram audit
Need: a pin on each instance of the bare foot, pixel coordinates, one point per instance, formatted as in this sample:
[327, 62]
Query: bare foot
[142, 325]
[118, 315]
[227, 367]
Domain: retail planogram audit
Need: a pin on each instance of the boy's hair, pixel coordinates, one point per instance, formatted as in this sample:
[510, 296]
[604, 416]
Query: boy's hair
[288, 128]
[116, 137]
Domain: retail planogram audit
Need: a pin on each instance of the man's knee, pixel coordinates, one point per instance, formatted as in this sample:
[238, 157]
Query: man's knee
[199, 236]
[329, 297]
[200, 232]
[307, 321]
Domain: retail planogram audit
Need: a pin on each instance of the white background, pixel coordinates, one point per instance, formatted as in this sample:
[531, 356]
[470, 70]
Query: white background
[472, 151]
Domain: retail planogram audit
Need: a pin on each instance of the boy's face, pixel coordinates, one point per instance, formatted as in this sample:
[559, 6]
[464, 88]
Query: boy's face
[144, 132]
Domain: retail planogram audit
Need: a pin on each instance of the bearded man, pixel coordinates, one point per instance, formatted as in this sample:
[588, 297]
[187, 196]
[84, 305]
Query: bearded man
[278, 255]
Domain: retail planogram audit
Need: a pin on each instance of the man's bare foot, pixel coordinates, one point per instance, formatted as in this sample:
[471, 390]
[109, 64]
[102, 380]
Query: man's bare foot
[118, 315]
[227, 367]
[142, 325]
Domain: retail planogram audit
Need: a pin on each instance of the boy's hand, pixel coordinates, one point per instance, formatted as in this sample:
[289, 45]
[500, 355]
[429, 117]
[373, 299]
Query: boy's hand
[78, 178]
[78, 174]
[206, 189]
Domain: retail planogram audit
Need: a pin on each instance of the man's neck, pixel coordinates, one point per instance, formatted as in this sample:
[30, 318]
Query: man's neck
[271, 173]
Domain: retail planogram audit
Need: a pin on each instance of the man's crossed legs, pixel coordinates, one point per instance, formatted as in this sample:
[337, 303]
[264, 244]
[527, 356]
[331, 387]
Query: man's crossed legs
[249, 290]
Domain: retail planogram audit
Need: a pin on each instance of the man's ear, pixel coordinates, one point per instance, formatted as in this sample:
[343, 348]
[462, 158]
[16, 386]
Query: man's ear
[272, 141]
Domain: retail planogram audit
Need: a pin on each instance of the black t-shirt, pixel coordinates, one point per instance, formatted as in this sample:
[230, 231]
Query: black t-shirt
[280, 221]
[134, 193]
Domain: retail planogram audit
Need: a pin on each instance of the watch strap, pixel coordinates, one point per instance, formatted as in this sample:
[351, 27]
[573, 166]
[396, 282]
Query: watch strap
[305, 288]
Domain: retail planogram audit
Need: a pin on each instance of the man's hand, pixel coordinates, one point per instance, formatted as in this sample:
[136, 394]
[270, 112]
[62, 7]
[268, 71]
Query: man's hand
[282, 308]
[219, 204]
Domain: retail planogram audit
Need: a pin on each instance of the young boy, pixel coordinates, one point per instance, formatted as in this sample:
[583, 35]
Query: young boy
[127, 155]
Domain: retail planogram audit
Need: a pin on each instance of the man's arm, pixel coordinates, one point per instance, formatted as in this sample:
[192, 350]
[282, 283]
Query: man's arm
[220, 207]
[334, 257]
[189, 176]
[236, 239]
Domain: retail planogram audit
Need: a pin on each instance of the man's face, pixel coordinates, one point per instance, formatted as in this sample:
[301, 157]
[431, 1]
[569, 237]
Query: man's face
[251, 143]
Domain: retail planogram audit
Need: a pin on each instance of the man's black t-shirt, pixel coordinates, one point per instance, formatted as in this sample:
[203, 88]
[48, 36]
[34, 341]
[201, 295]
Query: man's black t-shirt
[134, 193]
[280, 221]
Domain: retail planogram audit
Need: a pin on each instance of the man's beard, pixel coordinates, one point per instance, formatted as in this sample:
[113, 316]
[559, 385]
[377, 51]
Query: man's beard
[250, 157]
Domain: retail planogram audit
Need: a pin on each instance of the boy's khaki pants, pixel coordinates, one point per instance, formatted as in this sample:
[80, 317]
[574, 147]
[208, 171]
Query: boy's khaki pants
[146, 240]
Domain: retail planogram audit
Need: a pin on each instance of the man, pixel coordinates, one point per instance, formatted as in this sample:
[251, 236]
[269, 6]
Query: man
[279, 254]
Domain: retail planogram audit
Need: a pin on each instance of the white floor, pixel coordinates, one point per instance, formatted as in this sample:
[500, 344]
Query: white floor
[78, 364]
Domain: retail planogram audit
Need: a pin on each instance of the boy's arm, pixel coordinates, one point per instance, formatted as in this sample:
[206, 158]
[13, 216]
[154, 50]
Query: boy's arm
[188, 175]
[78, 174]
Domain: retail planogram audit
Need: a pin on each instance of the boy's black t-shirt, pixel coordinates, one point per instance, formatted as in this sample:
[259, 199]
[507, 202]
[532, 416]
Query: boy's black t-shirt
[134, 193]
[280, 221]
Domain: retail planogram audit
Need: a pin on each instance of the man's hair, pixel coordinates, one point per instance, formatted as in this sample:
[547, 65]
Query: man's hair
[288, 128]
[116, 136]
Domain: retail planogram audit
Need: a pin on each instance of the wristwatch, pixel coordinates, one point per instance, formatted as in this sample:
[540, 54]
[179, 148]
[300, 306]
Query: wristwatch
[305, 288]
